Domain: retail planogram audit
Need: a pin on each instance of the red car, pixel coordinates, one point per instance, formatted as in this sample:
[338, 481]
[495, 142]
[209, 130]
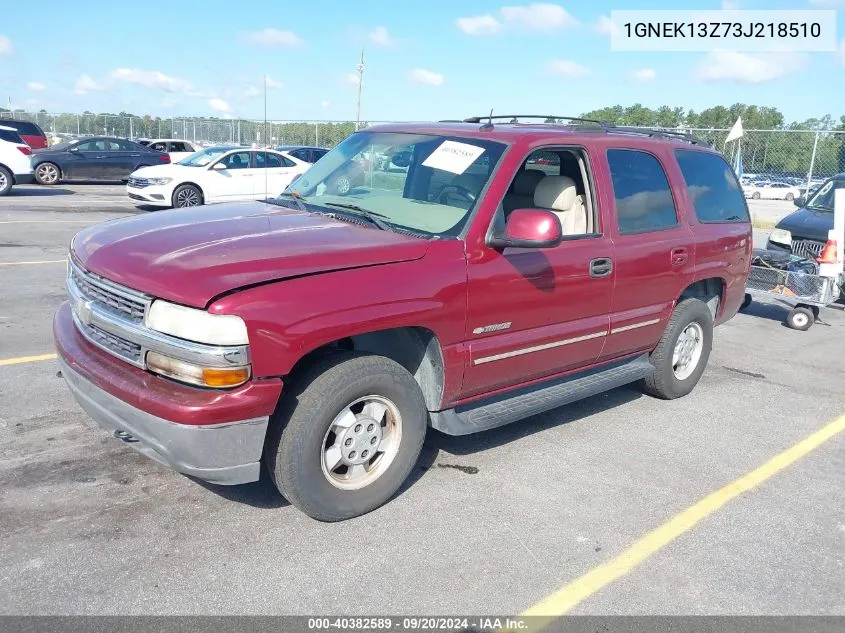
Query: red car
[31, 133]
[322, 333]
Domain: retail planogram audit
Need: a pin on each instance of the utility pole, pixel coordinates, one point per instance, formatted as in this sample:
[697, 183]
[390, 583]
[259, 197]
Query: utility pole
[360, 68]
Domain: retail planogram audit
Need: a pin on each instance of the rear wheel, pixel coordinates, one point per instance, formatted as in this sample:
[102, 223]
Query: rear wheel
[755, 195]
[347, 436]
[790, 197]
[6, 181]
[800, 318]
[187, 196]
[682, 353]
[47, 174]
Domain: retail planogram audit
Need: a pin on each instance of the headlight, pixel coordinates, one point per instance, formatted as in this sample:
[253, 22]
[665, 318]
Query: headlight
[159, 181]
[216, 377]
[196, 325]
[781, 236]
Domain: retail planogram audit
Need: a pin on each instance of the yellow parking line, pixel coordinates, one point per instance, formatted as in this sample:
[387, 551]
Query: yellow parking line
[46, 261]
[26, 359]
[569, 596]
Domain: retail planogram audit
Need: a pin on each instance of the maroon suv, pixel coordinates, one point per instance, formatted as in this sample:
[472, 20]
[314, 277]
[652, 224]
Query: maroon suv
[30, 132]
[509, 270]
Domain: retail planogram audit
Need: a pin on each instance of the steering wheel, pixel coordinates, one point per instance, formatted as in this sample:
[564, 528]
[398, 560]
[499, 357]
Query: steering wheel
[456, 190]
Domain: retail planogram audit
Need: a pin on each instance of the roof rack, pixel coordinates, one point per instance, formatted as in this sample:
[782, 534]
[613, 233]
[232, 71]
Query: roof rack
[480, 119]
[655, 133]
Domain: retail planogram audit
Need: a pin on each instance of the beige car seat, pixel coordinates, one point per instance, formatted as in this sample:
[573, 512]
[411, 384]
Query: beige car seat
[559, 194]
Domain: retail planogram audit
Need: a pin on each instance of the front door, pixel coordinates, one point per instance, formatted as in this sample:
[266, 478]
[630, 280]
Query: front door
[87, 161]
[234, 181]
[533, 313]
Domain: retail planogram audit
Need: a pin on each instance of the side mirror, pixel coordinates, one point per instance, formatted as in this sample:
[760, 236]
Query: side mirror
[401, 159]
[219, 166]
[529, 228]
[800, 201]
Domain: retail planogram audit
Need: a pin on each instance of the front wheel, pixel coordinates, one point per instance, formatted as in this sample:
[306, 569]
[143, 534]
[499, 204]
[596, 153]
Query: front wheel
[800, 318]
[347, 436]
[6, 181]
[682, 353]
[790, 197]
[755, 195]
[187, 196]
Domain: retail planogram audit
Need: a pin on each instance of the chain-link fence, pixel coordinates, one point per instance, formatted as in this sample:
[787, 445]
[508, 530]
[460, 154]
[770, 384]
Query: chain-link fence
[792, 156]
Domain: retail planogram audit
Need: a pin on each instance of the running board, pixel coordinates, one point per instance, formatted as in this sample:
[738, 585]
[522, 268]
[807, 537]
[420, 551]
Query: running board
[510, 407]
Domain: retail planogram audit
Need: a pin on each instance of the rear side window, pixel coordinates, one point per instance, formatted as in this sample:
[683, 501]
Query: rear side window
[643, 199]
[180, 147]
[715, 192]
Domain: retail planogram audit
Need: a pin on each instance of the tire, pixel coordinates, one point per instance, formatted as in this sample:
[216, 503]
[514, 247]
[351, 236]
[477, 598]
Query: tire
[187, 196]
[306, 423]
[800, 318]
[755, 195]
[667, 381]
[48, 174]
[789, 197]
[745, 302]
[7, 179]
[341, 185]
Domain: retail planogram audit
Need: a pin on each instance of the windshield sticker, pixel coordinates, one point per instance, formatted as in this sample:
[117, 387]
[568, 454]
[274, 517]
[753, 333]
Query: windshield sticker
[453, 157]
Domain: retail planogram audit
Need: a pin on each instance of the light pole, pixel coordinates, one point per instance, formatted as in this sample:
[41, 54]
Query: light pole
[360, 69]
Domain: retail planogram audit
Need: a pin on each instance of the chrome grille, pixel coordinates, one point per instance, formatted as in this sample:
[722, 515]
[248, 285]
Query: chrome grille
[138, 183]
[111, 343]
[807, 248]
[114, 298]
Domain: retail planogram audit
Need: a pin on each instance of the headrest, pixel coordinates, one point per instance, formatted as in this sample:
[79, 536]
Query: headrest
[525, 182]
[555, 192]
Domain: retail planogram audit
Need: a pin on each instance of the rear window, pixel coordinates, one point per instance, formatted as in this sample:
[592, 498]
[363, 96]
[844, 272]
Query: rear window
[12, 137]
[23, 127]
[715, 192]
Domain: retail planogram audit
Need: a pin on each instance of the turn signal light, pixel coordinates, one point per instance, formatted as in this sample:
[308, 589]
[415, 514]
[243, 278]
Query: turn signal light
[214, 377]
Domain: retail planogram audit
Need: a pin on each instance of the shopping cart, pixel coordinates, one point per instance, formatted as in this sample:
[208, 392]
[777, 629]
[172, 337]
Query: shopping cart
[804, 292]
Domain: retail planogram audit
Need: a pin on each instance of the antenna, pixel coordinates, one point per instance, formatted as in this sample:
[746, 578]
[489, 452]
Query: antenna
[360, 69]
[489, 124]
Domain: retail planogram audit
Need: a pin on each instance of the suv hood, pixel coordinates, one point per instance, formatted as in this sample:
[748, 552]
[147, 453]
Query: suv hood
[192, 255]
[808, 224]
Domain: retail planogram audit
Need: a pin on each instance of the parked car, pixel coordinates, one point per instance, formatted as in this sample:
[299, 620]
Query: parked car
[219, 174]
[176, 148]
[15, 167]
[804, 232]
[323, 332]
[772, 191]
[303, 153]
[30, 132]
[95, 158]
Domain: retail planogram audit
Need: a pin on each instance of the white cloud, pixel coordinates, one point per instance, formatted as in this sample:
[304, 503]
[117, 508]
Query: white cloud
[84, 84]
[351, 78]
[274, 37]
[325, 104]
[539, 16]
[380, 37]
[479, 25]
[219, 105]
[36, 86]
[150, 79]
[747, 68]
[6, 47]
[427, 77]
[730, 5]
[567, 68]
[645, 74]
[275, 85]
[605, 26]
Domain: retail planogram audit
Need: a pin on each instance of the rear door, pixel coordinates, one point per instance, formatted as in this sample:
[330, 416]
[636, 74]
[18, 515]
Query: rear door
[272, 174]
[654, 247]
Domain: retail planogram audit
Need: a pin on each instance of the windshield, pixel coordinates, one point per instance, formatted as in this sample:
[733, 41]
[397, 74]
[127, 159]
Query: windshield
[823, 198]
[427, 184]
[203, 157]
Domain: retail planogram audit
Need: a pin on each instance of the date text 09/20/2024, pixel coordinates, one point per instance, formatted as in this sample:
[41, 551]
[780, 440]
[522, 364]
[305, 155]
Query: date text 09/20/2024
[418, 623]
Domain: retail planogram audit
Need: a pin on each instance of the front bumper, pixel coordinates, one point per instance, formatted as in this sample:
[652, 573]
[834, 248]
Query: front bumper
[217, 436]
[154, 195]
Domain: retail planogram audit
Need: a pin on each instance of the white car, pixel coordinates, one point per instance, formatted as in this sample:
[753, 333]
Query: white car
[772, 191]
[15, 165]
[216, 174]
[176, 148]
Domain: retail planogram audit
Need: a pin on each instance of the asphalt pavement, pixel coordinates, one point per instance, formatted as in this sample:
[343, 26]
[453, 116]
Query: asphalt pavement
[490, 523]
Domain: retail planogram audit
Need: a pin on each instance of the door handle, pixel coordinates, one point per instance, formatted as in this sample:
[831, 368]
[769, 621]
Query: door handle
[601, 267]
[679, 256]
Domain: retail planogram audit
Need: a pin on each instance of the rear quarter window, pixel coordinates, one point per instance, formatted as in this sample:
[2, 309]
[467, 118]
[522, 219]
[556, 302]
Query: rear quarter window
[11, 137]
[713, 187]
[24, 127]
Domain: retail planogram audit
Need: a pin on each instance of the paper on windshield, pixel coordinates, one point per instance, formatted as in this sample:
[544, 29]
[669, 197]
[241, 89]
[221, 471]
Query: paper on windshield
[453, 157]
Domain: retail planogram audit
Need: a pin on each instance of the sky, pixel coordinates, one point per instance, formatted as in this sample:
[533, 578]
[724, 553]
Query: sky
[423, 61]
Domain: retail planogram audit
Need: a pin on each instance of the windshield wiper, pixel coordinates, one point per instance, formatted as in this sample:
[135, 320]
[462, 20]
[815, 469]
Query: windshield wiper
[357, 211]
[297, 199]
